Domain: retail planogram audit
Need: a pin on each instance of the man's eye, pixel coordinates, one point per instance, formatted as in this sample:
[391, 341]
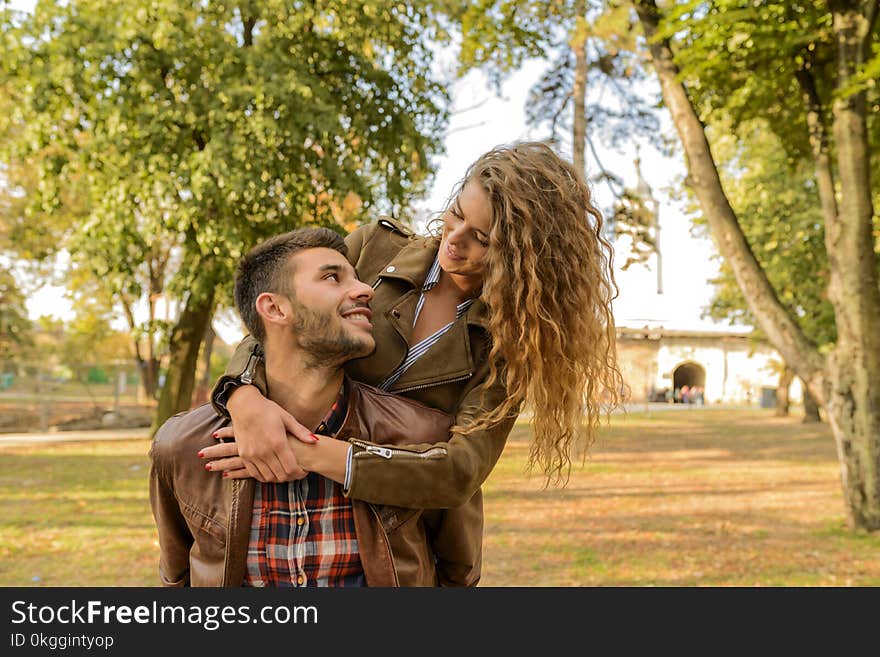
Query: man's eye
[335, 277]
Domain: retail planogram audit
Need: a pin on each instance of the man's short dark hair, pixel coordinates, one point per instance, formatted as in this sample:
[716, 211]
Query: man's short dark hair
[268, 268]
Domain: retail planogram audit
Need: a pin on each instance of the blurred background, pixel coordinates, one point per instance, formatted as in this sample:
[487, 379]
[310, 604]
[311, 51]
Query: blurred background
[145, 145]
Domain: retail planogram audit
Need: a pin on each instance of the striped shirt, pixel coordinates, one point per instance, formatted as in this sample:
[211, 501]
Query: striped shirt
[302, 532]
[416, 351]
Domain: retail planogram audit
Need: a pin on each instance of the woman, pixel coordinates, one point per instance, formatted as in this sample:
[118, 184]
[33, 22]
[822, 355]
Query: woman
[509, 308]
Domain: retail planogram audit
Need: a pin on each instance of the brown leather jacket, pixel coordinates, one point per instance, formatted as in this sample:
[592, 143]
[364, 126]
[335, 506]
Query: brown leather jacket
[204, 520]
[451, 376]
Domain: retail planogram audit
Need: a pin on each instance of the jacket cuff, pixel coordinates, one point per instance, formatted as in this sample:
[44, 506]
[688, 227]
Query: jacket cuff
[229, 382]
[221, 393]
[346, 485]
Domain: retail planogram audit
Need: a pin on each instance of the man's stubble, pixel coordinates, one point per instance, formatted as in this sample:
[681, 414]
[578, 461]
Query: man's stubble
[324, 348]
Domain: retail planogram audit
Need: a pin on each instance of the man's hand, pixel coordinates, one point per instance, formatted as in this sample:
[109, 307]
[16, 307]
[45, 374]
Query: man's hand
[260, 428]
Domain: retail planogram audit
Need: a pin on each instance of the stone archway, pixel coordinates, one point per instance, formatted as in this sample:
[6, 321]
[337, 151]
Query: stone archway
[688, 374]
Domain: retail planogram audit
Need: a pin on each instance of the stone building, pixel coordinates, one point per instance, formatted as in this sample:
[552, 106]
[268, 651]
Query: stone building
[732, 368]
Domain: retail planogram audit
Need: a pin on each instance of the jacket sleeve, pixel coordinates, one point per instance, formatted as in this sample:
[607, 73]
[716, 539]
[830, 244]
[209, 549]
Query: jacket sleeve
[175, 539]
[245, 366]
[456, 539]
[438, 475]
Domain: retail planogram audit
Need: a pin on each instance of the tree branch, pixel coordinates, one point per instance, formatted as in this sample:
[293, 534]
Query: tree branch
[818, 141]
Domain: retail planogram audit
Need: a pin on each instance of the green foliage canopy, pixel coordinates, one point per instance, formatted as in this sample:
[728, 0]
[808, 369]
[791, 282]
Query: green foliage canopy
[779, 212]
[199, 128]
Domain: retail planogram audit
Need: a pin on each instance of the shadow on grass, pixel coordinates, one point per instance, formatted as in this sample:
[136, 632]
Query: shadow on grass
[711, 435]
[639, 491]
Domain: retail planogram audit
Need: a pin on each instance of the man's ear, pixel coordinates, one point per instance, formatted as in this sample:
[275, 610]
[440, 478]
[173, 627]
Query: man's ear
[273, 308]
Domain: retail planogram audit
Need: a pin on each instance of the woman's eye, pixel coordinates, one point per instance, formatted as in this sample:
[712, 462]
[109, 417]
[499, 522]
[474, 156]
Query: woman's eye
[334, 277]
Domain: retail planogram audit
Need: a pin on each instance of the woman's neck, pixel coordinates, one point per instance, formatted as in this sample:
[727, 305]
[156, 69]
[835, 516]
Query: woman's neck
[460, 287]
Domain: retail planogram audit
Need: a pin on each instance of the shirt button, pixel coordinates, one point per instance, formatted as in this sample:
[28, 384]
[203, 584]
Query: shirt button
[396, 314]
[300, 521]
[391, 269]
[300, 580]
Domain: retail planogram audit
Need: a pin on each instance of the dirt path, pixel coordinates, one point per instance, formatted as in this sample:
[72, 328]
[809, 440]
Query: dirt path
[18, 439]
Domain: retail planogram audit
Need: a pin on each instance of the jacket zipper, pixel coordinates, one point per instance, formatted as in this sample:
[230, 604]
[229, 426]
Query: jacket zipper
[388, 452]
[428, 385]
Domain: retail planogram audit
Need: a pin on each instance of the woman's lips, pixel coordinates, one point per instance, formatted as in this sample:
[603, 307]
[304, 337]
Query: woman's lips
[452, 255]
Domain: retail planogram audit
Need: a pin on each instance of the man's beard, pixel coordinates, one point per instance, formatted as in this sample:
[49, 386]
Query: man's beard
[324, 348]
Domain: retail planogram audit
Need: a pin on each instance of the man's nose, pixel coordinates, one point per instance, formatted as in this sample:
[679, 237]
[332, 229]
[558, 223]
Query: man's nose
[362, 292]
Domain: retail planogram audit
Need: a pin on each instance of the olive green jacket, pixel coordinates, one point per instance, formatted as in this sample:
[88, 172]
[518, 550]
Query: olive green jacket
[451, 377]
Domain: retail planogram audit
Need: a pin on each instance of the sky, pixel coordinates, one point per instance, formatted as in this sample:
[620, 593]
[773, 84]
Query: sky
[481, 120]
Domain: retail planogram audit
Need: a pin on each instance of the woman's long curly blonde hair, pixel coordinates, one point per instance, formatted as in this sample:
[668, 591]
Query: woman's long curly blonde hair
[548, 285]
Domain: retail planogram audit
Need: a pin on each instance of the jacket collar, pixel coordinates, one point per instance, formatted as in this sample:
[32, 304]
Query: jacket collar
[412, 263]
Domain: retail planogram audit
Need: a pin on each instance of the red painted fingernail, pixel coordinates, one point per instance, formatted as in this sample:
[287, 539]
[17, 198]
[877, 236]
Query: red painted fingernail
[201, 455]
[315, 437]
[214, 435]
[225, 474]
[207, 466]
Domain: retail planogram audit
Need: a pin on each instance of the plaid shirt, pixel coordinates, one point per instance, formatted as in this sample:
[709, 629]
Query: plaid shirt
[302, 532]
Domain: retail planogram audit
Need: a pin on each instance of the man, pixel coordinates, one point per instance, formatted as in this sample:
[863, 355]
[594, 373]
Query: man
[298, 294]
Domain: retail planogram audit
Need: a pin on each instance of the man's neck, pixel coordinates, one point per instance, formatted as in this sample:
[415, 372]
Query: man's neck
[305, 392]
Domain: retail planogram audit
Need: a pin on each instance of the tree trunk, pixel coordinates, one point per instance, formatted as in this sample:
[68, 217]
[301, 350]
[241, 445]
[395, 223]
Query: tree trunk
[147, 367]
[579, 94]
[773, 318]
[853, 405]
[186, 338]
[149, 370]
[782, 402]
[205, 379]
[811, 408]
[842, 382]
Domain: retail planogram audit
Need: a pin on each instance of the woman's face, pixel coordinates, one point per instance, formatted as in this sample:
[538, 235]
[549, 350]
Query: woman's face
[465, 238]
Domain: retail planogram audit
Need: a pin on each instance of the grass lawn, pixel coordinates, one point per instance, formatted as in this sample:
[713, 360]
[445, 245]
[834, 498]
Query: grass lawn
[680, 498]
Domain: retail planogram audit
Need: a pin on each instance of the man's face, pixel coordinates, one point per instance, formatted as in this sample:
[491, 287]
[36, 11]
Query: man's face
[331, 312]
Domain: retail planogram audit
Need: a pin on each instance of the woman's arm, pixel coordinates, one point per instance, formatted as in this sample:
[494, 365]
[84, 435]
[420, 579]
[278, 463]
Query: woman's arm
[431, 476]
[420, 475]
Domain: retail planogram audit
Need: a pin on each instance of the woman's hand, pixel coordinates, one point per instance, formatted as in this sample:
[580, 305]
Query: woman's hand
[260, 428]
[224, 458]
[327, 457]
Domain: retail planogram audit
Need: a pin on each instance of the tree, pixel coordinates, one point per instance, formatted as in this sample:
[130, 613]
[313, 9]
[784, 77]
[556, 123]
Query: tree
[199, 128]
[588, 45]
[774, 197]
[15, 327]
[745, 59]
